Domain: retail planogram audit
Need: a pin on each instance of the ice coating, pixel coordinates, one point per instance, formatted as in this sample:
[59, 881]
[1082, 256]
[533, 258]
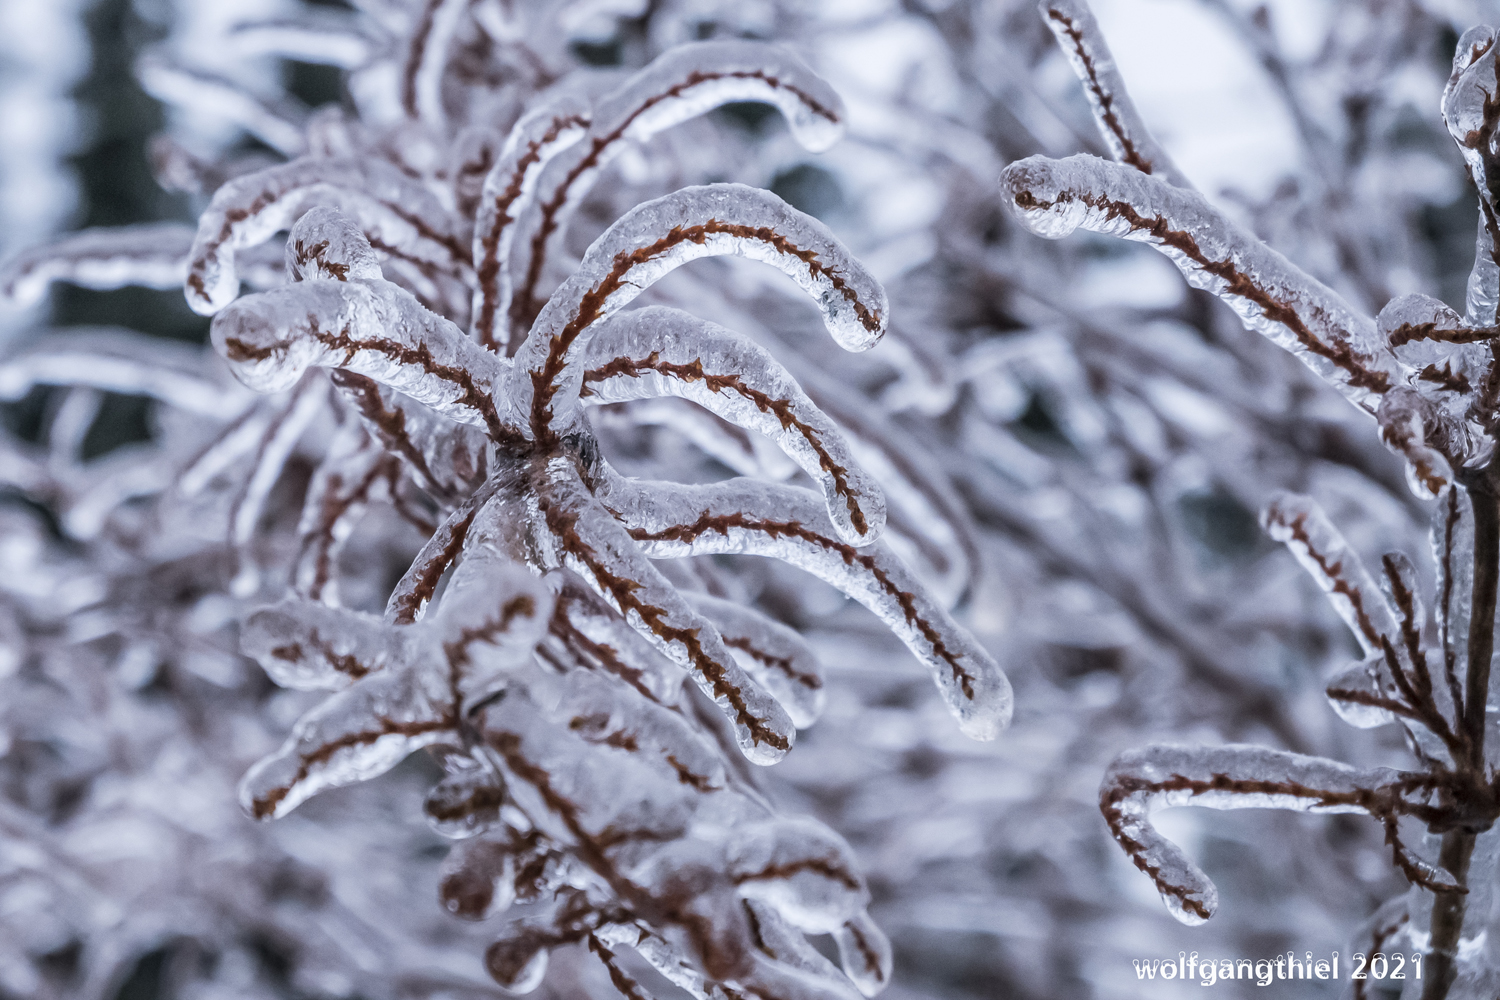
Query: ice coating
[688, 80]
[1161, 776]
[152, 255]
[680, 84]
[326, 245]
[801, 868]
[587, 539]
[356, 473]
[1354, 691]
[465, 804]
[659, 351]
[1452, 539]
[276, 123]
[1423, 331]
[479, 874]
[509, 187]
[308, 645]
[659, 236]
[1299, 523]
[370, 328]
[865, 954]
[416, 686]
[427, 60]
[356, 735]
[1121, 125]
[593, 632]
[777, 657]
[399, 216]
[1413, 426]
[791, 966]
[449, 460]
[1053, 198]
[1468, 113]
[791, 524]
[120, 361]
[490, 619]
[417, 586]
[558, 751]
[318, 35]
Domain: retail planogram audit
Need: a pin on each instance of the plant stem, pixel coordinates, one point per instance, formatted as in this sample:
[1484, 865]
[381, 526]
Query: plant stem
[1481, 615]
[1458, 844]
[1448, 916]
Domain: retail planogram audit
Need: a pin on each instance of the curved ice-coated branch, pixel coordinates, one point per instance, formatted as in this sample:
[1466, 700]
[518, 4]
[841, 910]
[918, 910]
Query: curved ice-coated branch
[427, 60]
[121, 361]
[659, 236]
[800, 867]
[490, 619]
[321, 35]
[1299, 522]
[355, 735]
[586, 539]
[1054, 197]
[153, 256]
[668, 520]
[680, 84]
[595, 634]
[1471, 111]
[865, 954]
[777, 657]
[409, 599]
[355, 473]
[310, 646]
[1122, 127]
[326, 245]
[509, 188]
[399, 216]
[279, 124]
[659, 351]
[447, 459]
[371, 328]
[1161, 776]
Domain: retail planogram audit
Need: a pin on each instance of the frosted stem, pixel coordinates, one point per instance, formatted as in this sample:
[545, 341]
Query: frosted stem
[1448, 916]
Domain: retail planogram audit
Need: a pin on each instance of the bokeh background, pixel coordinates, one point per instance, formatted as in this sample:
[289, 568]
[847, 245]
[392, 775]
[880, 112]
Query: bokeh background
[1090, 441]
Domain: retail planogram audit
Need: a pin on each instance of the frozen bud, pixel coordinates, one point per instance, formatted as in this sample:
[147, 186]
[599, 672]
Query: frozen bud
[326, 245]
[478, 879]
[518, 964]
[464, 804]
